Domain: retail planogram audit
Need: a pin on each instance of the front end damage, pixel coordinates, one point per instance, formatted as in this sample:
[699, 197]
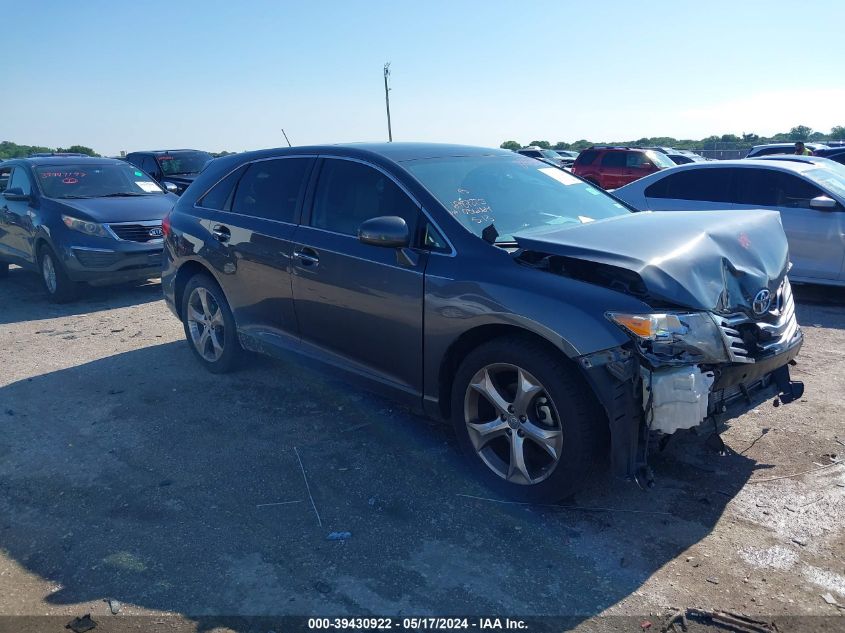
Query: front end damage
[722, 333]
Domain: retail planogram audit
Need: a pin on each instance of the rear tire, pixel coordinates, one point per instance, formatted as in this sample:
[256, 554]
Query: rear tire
[209, 325]
[527, 420]
[59, 287]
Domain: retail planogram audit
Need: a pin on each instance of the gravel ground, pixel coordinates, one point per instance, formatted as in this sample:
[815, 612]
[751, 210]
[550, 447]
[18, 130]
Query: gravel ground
[129, 473]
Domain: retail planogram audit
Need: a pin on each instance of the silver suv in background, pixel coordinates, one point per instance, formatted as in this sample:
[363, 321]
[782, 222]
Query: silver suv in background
[808, 191]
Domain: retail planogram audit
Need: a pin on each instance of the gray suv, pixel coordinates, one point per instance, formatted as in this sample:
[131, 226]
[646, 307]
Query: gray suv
[545, 319]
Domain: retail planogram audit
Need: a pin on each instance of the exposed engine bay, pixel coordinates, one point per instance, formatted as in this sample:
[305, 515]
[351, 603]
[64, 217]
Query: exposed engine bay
[722, 328]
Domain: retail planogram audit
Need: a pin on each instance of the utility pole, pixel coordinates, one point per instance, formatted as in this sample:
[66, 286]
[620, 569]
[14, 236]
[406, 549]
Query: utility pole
[387, 101]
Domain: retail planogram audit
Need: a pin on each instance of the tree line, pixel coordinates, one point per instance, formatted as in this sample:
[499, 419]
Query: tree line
[745, 141]
[13, 150]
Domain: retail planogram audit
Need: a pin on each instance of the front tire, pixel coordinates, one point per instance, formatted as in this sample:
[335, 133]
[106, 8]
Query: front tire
[209, 325]
[527, 420]
[59, 287]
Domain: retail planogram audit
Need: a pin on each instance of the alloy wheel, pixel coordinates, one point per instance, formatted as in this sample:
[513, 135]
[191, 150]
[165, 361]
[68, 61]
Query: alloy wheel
[513, 424]
[205, 323]
[48, 271]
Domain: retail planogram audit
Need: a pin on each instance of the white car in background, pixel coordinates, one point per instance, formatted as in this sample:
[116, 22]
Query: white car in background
[780, 148]
[808, 192]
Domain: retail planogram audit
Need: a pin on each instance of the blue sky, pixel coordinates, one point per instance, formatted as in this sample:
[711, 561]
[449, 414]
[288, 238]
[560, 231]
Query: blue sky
[229, 75]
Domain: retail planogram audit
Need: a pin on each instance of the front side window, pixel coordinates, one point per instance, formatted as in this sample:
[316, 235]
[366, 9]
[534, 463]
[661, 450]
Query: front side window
[797, 192]
[20, 180]
[349, 193]
[271, 189]
[707, 185]
[97, 180]
[516, 195]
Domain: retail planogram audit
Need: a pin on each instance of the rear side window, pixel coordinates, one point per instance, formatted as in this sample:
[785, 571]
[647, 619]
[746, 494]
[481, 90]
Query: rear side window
[707, 185]
[271, 189]
[349, 193]
[614, 159]
[220, 196]
[586, 157]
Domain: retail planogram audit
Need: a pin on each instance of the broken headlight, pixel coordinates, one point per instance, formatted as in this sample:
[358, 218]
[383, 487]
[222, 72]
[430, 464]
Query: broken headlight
[675, 337]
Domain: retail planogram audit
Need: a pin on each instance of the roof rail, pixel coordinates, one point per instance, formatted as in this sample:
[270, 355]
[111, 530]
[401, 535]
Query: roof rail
[611, 147]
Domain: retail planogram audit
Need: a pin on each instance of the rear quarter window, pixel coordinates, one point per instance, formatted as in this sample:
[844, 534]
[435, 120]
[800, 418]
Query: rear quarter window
[220, 195]
[706, 185]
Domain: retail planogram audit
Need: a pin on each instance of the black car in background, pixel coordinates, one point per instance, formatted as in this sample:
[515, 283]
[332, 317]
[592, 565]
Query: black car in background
[174, 169]
[548, 321]
[78, 219]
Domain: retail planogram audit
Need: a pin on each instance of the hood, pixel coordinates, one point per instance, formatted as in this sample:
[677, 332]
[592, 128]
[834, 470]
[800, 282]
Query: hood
[704, 260]
[152, 207]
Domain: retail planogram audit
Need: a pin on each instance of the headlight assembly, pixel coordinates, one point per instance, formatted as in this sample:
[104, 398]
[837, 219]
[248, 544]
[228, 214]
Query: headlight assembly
[675, 337]
[84, 226]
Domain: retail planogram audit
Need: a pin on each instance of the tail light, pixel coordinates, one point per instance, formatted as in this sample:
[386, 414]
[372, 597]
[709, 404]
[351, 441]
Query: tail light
[165, 225]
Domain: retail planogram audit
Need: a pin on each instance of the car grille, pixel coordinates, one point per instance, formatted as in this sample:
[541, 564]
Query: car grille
[96, 259]
[140, 232]
[748, 340]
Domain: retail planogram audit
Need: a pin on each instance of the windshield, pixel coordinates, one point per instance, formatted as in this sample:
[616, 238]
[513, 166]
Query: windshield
[830, 177]
[176, 163]
[516, 193]
[95, 181]
[661, 160]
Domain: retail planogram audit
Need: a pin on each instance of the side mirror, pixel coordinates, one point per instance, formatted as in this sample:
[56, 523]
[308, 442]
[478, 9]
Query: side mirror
[823, 203]
[388, 230]
[16, 194]
[171, 187]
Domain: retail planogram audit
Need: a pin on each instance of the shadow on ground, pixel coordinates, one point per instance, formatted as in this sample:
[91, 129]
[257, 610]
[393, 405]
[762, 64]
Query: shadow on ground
[142, 478]
[30, 299]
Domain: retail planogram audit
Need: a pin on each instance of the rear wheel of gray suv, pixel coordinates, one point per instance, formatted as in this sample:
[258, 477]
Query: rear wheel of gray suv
[60, 288]
[209, 325]
[526, 419]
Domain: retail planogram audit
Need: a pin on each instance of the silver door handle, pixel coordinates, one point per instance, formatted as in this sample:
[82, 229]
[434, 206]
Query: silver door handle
[306, 258]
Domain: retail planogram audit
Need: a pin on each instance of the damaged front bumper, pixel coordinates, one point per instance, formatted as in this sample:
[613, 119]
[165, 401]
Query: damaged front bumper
[643, 394]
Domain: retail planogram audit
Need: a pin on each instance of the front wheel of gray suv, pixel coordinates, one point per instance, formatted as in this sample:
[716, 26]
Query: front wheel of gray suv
[209, 325]
[527, 420]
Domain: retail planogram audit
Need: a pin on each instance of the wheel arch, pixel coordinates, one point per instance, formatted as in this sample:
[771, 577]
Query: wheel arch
[186, 271]
[477, 336]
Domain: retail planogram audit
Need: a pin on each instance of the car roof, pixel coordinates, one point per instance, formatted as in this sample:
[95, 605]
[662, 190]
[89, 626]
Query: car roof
[394, 152]
[65, 160]
[165, 151]
[792, 144]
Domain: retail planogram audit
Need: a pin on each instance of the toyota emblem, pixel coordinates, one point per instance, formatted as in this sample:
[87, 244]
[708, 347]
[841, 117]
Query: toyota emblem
[762, 302]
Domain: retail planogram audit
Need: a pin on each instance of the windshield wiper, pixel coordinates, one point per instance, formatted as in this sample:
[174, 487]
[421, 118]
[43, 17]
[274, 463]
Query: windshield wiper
[124, 194]
[72, 197]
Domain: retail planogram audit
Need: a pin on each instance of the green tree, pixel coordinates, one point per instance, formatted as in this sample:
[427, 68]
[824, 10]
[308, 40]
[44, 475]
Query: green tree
[750, 138]
[543, 144]
[511, 145]
[581, 144]
[837, 132]
[562, 145]
[800, 132]
[730, 138]
[78, 149]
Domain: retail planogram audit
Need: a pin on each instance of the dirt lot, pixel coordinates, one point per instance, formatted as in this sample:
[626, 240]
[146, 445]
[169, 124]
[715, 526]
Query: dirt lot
[129, 473]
